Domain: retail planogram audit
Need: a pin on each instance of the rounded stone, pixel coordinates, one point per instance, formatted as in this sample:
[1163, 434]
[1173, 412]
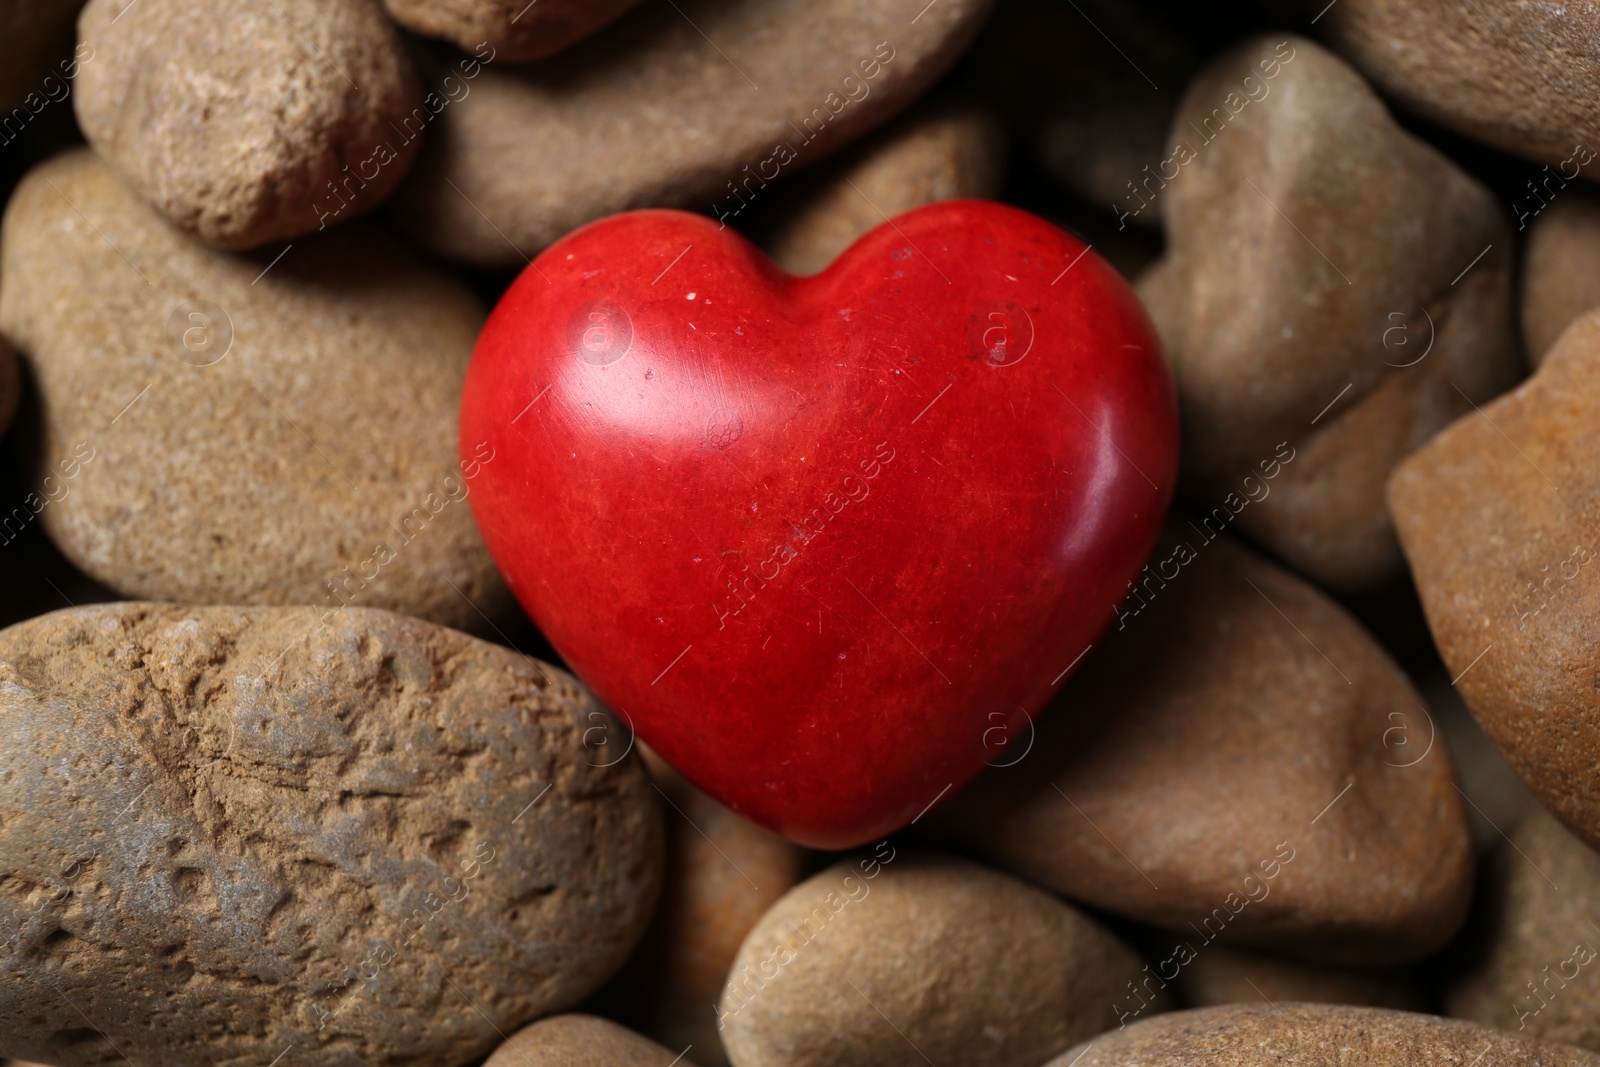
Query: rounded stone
[249, 123]
[1229, 976]
[1560, 269]
[515, 30]
[582, 1041]
[227, 832]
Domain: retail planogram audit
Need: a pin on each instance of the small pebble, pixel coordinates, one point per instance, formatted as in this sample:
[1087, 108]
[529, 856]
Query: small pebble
[515, 31]
[582, 1041]
[1560, 268]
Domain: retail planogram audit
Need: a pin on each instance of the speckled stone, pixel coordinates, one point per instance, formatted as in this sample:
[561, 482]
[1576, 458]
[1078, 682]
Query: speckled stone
[1228, 976]
[239, 121]
[946, 148]
[1314, 1035]
[902, 958]
[1560, 268]
[35, 39]
[515, 30]
[1531, 963]
[229, 831]
[582, 1041]
[1500, 518]
[1237, 762]
[652, 113]
[261, 433]
[1317, 290]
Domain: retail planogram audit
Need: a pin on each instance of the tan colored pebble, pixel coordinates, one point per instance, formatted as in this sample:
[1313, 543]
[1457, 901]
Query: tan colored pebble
[225, 429]
[1228, 976]
[228, 831]
[943, 149]
[1499, 521]
[582, 1041]
[1316, 251]
[1560, 268]
[250, 123]
[653, 114]
[1531, 963]
[1314, 1035]
[515, 30]
[903, 958]
[1237, 760]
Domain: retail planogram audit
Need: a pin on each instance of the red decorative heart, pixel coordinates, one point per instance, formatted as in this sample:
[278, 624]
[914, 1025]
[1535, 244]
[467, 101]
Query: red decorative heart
[827, 543]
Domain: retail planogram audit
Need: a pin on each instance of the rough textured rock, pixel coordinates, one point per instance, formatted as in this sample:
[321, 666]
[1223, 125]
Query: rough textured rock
[1272, 784]
[250, 432]
[1317, 290]
[226, 831]
[517, 30]
[944, 149]
[250, 123]
[1500, 518]
[1533, 962]
[653, 114]
[1560, 269]
[722, 874]
[582, 1041]
[1314, 1035]
[1524, 77]
[1224, 976]
[35, 37]
[900, 958]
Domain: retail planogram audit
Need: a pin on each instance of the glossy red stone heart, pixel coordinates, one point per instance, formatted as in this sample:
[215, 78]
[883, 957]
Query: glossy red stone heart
[827, 543]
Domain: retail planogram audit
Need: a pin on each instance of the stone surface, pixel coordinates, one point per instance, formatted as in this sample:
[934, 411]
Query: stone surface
[313, 461]
[1532, 959]
[226, 831]
[35, 37]
[903, 958]
[250, 123]
[1313, 292]
[1227, 976]
[1523, 77]
[1560, 269]
[722, 874]
[1314, 1035]
[1235, 760]
[516, 30]
[1495, 796]
[582, 1041]
[1500, 518]
[653, 114]
[943, 149]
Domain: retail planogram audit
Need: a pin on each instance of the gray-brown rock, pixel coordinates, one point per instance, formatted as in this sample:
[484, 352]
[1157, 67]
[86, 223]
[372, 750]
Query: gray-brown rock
[901, 958]
[227, 832]
[722, 874]
[250, 430]
[35, 59]
[1226, 976]
[1314, 1035]
[1533, 962]
[514, 30]
[1498, 515]
[582, 1041]
[1523, 77]
[250, 123]
[654, 114]
[943, 149]
[1332, 282]
[1236, 760]
[1560, 269]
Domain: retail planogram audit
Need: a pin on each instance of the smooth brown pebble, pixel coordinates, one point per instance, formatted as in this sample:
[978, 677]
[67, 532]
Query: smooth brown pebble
[249, 123]
[224, 429]
[1317, 291]
[906, 958]
[229, 831]
[1236, 759]
[1314, 1035]
[36, 59]
[514, 30]
[651, 113]
[582, 1041]
[1532, 959]
[945, 148]
[1227, 976]
[1560, 269]
[1498, 515]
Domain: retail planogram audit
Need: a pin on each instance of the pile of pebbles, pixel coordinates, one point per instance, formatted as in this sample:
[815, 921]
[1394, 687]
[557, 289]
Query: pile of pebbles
[286, 778]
